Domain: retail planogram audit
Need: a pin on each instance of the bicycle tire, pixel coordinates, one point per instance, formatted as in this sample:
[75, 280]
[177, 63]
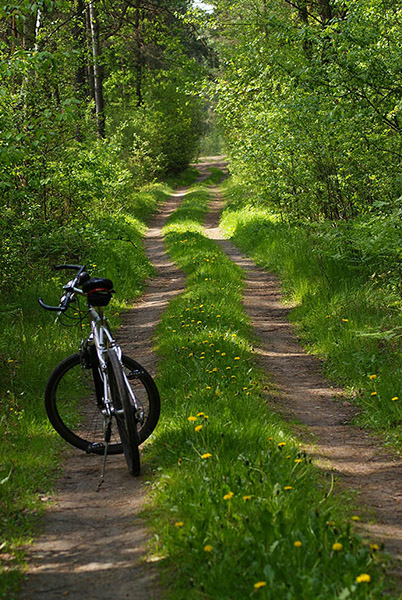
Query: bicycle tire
[124, 415]
[72, 406]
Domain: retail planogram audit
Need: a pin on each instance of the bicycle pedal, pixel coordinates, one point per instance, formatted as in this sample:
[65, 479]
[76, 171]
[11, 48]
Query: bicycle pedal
[140, 416]
[95, 447]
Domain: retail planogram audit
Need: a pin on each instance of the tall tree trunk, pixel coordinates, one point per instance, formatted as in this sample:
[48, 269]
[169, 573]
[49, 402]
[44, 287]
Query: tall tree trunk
[90, 68]
[80, 81]
[98, 72]
[138, 68]
[80, 43]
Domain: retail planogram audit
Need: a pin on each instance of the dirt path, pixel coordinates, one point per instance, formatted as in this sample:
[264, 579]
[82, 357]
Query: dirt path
[93, 545]
[356, 457]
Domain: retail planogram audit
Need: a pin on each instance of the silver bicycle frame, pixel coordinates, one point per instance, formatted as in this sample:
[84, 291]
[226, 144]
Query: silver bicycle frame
[103, 341]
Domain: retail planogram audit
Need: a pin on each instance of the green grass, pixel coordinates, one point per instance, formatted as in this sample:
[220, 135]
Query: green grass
[236, 502]
[31, 345]
[346, 292]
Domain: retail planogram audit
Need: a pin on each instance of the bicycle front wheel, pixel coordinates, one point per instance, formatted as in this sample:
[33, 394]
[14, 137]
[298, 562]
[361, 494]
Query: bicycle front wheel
[123, 412]
[73, 401]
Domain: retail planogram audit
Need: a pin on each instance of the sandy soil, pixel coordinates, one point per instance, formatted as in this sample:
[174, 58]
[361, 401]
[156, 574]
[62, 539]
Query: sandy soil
[93, 545]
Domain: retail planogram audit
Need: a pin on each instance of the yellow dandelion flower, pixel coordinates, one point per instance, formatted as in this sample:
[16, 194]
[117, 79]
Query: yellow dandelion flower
[180, 461]
[208, 548]
[372, 376]
[223, 353]
[206, 417]
[237, 357]
[288, 487]
[355, 518]
[208, 387]
[373, 394]
[228, 496]
[298, 460]
[260, 584]
[191, 354]
[281, 444]
[214, 370]
[394, 398]
[179, 524]
[374, 547]
[337, 547]
[345, 320]
[217, 316]
[206, 455]
[198, 428]
[246, 498]
[297, 544]
[191, 418]
[200, 414]
[228, 368]
[363, 578]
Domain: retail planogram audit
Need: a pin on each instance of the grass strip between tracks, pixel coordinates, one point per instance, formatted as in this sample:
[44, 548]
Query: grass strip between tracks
[239, 511]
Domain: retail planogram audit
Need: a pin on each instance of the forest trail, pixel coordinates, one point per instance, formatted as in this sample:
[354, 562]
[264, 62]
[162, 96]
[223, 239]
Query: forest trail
[359, 462]
[93, 545]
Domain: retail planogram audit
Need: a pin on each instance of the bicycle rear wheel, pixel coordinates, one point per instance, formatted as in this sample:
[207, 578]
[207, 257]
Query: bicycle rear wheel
[124, 414]
[73, 402]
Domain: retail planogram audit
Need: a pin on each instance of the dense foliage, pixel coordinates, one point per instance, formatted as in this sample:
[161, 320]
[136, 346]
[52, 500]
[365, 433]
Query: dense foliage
[310, 100]
[95, 99]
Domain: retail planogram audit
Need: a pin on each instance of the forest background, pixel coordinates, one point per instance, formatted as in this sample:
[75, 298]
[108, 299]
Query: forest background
[100, 96]
[100, 100]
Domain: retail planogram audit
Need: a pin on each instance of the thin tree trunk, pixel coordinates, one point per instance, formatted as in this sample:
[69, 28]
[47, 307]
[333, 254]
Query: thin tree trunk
[79, 38]
[98, 72]
[138, 68]
[81, 90]
[90, 69]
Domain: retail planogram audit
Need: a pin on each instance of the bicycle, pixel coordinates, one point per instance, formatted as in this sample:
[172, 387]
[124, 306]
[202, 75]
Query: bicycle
[98, 399]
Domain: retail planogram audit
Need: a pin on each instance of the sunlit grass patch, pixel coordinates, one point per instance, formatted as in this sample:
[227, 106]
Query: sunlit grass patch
[239, 510]
[348, 310]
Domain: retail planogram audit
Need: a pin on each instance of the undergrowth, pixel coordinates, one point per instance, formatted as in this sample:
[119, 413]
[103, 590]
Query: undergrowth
[344, 280]
[239, 511]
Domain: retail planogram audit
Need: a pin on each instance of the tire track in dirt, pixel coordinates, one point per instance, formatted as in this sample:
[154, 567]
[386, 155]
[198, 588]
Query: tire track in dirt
[93, 544]
[356, 458]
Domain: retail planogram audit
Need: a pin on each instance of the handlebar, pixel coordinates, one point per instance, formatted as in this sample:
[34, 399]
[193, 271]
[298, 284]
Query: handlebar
[48, 307]
[76, 267]
[69, 287]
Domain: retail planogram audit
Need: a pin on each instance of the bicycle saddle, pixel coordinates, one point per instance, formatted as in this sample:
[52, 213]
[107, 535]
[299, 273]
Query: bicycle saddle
[98, 290]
